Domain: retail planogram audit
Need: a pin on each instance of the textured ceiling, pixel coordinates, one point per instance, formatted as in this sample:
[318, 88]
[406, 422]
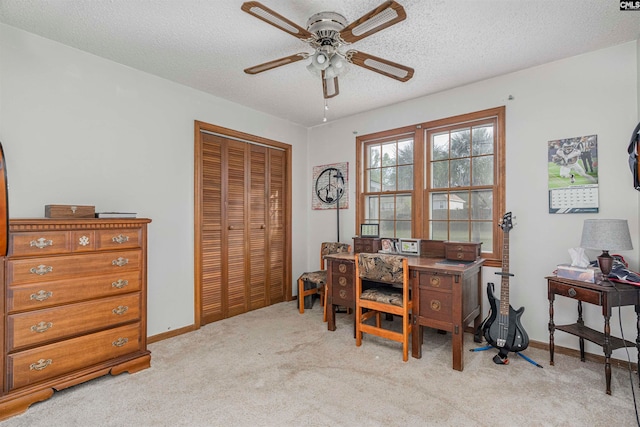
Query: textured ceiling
[205, 44]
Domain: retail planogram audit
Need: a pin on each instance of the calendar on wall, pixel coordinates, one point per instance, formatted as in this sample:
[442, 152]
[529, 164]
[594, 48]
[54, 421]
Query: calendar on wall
[573, 175]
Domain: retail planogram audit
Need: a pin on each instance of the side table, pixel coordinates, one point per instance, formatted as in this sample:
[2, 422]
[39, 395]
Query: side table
[604, 296]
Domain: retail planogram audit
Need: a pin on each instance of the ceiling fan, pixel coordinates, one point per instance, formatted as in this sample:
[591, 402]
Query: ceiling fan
[327, 33]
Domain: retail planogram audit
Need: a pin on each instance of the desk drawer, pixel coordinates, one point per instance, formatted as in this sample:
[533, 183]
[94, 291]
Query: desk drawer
[569, 291]
[436, 305]
[42, 363]
[342, 277]
[434, 280]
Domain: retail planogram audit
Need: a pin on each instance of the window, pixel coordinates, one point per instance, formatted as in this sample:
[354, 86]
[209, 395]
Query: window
[444, 182]
[388, 185]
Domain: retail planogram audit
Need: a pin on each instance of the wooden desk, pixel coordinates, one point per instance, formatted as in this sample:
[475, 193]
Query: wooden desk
[445, 296]
[604, 296]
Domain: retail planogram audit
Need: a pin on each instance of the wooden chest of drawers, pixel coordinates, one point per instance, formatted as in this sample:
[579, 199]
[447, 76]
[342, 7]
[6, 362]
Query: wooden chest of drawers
[366, 244]
[462, 251]
[74, 308]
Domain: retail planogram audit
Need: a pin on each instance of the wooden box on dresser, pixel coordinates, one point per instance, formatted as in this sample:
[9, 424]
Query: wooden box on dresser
[73, 305]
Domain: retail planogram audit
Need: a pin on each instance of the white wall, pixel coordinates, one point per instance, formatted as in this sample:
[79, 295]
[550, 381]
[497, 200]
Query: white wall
[595, 93]
[79, 129]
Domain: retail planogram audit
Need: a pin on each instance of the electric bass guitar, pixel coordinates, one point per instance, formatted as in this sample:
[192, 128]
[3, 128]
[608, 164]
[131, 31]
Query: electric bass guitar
[502, 328]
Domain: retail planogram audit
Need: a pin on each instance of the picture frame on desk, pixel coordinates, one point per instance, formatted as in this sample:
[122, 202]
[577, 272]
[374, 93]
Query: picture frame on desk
[369, 230]
[388, 246]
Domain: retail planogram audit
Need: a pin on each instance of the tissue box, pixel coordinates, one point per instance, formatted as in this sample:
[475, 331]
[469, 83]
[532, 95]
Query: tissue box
[584, 274]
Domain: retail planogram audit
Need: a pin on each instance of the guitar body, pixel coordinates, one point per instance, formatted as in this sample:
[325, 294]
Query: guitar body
[507, 336]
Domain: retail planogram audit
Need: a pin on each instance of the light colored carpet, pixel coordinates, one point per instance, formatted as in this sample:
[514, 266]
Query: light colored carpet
[275, 366]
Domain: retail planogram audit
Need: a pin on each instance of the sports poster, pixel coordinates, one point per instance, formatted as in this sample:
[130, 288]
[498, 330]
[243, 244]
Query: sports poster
[573, 175]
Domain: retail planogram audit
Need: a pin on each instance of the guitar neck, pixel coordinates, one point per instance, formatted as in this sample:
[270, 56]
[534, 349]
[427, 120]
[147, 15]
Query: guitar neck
[504, 284]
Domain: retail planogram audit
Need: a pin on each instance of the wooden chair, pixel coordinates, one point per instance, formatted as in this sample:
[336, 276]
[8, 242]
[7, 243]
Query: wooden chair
[318, 279]
[390, 293]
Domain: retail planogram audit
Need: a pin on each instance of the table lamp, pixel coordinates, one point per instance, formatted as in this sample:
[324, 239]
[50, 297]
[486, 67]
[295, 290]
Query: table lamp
[606, 235]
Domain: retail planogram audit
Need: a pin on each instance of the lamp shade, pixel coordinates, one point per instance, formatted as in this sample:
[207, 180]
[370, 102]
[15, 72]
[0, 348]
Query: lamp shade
[606, 235]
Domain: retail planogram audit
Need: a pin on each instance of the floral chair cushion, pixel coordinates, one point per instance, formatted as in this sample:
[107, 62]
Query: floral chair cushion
[381, 267]
[384, 295]
[318, 278]
[328, 248]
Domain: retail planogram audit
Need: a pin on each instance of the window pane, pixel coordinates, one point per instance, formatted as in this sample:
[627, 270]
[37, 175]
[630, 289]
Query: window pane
[403, 229]
[389, 179]
[403, 207]
[387, 207]
[460, 172]
[373, 183]
[405, 178]
[440, 174]
[482, 204]
[405, 152]
[483, 232]
[483, 170]
[482, 140]
[459, 205]
[459, 231]
[386, 229]
[439, 206]
[460, 143]
[374, 156]
[439, 230]
[440, 149]
[389, 154]
[372, 203]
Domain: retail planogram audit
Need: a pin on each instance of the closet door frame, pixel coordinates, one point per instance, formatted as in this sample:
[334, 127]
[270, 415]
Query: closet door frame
[199, 128]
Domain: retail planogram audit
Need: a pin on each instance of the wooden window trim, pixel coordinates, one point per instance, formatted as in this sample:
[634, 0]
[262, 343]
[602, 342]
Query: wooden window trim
[418, 216]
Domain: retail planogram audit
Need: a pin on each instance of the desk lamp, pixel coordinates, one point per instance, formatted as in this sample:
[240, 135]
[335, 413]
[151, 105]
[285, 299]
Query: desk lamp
[606, 235]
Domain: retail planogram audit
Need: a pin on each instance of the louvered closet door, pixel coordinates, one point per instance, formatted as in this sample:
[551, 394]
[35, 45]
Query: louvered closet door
[276, 254]
[211, 232]
[243, 239]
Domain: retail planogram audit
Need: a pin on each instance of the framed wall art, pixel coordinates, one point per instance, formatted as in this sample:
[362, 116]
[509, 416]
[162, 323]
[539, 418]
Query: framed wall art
[330, 186]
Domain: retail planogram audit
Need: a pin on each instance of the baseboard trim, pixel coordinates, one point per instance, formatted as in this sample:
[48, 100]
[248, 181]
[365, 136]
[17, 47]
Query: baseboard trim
[170, 334]
[620, 363]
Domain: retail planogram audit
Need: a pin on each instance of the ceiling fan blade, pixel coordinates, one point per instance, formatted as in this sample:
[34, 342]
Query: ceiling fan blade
[270, 17]
[383, 16]
[329, 87]
[276, 63]
[379, 65]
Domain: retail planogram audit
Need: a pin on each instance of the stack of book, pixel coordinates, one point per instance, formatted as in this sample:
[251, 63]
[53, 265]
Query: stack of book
[115, 214]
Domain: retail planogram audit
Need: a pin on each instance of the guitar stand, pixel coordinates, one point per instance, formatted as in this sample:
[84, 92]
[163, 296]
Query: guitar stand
[502, 359]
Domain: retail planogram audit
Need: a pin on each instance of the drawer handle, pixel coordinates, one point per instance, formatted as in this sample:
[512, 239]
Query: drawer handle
[343, 294]
[572, 292]
[84, 241]
[41, 295]
[119, 284]
[342, 281]
[435, 305]
[41, 243]
[435, 281]
[459, 255]
[41, 327]
[120, 262]
[40, 364]
[41, 270]
[120, 310]
[120, 238]
[342, 268]
[120, 342]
